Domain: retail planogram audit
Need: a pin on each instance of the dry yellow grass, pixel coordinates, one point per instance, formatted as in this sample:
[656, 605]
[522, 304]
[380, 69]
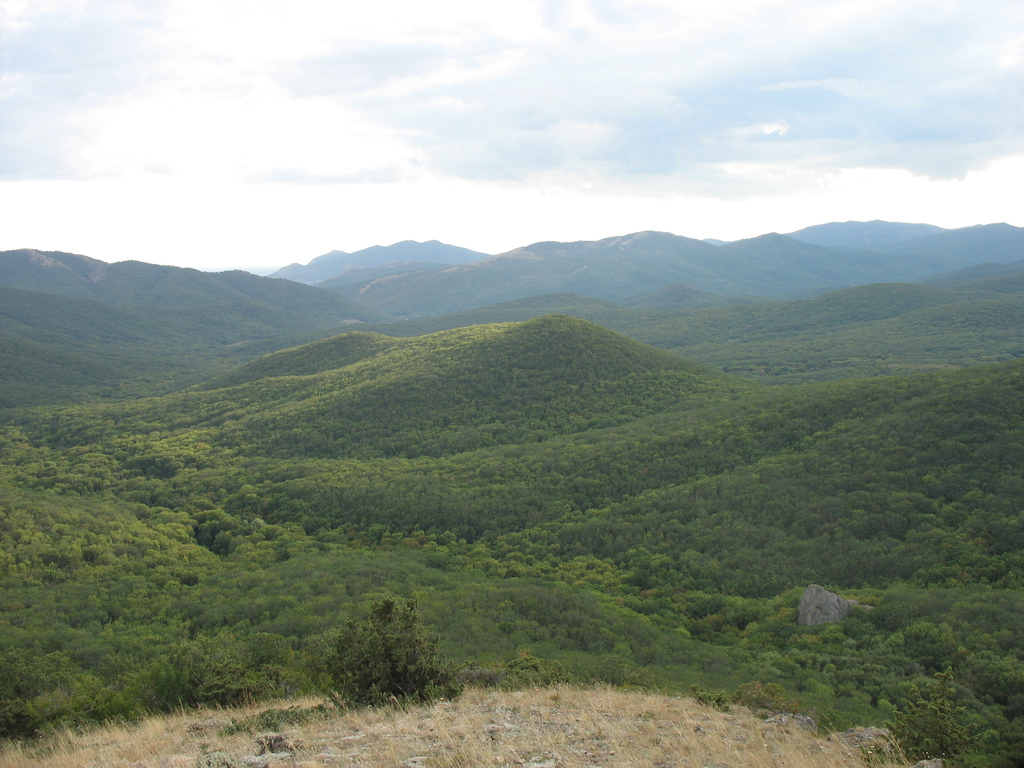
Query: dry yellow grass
[545, 728]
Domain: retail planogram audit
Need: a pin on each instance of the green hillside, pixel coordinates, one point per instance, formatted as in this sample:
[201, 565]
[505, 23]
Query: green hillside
[519, 438]
[75, 329]
[99, 331]
[370, 395]
[63, 349]
[754, 478]
[1004, 278]
[871, 330]
[683, 296]
[57, 349]
[601, 311]
[33, 373]
[550, 488]
[867, 331]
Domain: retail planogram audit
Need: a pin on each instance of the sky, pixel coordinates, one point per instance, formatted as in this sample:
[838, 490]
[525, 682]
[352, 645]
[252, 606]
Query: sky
[251, 134]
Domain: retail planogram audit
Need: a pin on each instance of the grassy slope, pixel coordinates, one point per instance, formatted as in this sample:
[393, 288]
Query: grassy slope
[567, 727]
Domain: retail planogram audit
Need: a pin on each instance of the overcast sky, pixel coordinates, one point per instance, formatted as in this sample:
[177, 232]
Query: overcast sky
[255, 133]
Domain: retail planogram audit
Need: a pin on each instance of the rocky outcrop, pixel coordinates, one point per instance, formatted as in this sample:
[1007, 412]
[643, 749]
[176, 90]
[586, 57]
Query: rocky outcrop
[785, 718]
[819, 606]
[871, 741]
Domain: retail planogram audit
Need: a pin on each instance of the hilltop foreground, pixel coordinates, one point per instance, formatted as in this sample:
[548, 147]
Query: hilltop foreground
[542, 728]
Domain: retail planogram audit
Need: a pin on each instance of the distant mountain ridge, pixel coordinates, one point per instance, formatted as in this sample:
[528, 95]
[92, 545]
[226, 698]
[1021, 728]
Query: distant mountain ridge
[618, 268]
[73, 327]
[863, 234]
[337, 263]
[965, 247]
[140, 284]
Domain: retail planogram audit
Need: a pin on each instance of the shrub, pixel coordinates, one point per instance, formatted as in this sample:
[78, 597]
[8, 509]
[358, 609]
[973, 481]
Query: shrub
[33, 687]
[223, 670]
[710, 697]
[528, 671]
[932, 727]
[388, 658]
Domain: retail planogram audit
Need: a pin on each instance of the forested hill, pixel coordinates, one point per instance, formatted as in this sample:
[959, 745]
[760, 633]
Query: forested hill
[965, 319]
[453, 391]
[853, 483]
[136, 283]
[75, 329]
[546, 487]
[551, 345]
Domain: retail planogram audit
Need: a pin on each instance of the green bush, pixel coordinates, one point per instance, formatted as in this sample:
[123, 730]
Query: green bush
[528, 671]
[388, 658]
[933, 726]
[221, 670]
[32, 685]
[710, 697]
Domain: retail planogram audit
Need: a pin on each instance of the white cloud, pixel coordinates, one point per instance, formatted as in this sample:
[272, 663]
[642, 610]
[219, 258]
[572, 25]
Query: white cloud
[414, 114]
[674, 97]
[240, 137]
[849, 87]
[763, 129]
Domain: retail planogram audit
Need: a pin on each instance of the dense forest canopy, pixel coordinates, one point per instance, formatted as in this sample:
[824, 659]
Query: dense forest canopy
[546, 488]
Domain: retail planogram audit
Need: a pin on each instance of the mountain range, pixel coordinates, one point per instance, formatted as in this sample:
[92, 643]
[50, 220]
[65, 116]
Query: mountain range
[74, 327]
[625, 268]
[203, 476]
[863, 235]
[336, 263]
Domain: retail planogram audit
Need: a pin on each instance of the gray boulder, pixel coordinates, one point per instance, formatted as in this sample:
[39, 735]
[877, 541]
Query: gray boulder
[819, 606]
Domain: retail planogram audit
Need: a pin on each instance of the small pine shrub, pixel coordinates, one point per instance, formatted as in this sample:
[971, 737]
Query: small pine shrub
[388, 658]
[710, 697]
[932, 726]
